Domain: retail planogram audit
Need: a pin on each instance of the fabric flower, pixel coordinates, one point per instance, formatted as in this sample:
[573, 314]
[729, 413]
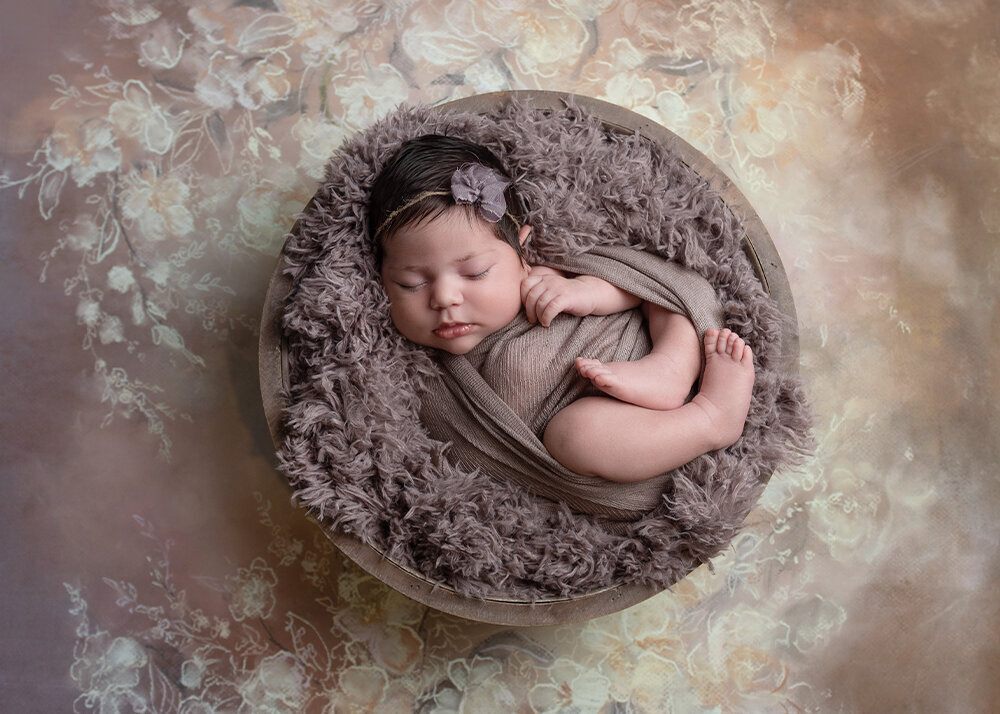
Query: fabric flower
[481, 187]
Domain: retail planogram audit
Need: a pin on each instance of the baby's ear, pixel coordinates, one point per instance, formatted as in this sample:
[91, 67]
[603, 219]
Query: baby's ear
[523, 234]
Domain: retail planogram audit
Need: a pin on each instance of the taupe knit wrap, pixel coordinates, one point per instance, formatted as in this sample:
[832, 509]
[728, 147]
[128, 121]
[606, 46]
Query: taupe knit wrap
[493, 404]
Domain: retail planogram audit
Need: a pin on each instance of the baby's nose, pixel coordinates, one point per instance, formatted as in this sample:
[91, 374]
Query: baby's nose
[446, 293]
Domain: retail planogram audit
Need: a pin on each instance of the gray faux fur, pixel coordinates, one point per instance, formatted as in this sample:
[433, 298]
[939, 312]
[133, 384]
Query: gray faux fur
[355, 451]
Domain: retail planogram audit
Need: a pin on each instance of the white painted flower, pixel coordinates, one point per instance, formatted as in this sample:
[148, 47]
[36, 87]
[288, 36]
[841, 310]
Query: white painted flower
[137, 115]
[210, 23]
[88, 312]
[321, 26]
[309, 14]
[761, 120]
[660, 685]
[849, 514]
[364, 99]
[465, 673]
[781, 107]
[253, 591]
[192, 671]
[120, 279]
[650, 25]
[360, 689]
[619, 641]
[230, 79]
[163, 46]
[158, 205]
[631, 90]
[86, 149]
[738, 667]
[698, 127]
[430, 40]
[813, 622]
[491, 23]
[111, 330]
[624, 56]
[317, 141]
[159, 272]
[485, 76]
[673, 112]
[111, 681]
[549, 43]
[84, 234]
[134, 13]
[399, 697]
[616, 70]
[217, 194]
[584, 9]
[278, 684]
[571, 688]
[479, 688]
[489, 696]
[543, 40]
[122, 662]
[730, 33]
[383, 620]
[266, 213]
[266, 82]
[221, 628]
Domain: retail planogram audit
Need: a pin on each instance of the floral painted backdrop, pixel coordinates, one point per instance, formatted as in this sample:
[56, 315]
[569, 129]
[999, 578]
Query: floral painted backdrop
[154, 154]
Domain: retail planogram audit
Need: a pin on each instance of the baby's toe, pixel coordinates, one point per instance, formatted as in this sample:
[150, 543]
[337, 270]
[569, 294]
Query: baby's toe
[604, 380]
[588, 367]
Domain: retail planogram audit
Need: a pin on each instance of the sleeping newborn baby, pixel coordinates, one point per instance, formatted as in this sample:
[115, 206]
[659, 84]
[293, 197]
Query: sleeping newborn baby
[450, 254]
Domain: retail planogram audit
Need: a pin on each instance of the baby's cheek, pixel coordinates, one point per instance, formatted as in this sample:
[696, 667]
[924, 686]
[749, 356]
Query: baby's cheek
[399, 317]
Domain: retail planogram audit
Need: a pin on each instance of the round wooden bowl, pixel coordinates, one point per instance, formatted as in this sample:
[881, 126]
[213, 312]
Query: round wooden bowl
[273, 370]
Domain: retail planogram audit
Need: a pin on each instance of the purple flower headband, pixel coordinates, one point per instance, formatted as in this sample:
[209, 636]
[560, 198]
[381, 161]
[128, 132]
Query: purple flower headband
[481, 187]
[471, 184]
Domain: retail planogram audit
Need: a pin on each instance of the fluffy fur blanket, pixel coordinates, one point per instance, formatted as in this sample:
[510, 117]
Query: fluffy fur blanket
[356, 451]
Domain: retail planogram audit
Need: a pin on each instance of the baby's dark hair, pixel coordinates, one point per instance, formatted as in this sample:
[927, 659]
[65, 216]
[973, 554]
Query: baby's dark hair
[425, 165]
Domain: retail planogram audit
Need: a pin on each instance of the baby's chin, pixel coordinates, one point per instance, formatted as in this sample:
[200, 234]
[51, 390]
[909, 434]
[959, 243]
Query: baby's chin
[457, 349]
[454, 347]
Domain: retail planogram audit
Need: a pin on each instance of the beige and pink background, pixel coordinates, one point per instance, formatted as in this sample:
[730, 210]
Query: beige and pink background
[154, 154]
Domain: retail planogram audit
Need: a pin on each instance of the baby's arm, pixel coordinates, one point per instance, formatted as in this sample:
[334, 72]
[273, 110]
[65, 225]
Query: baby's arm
[546, 292]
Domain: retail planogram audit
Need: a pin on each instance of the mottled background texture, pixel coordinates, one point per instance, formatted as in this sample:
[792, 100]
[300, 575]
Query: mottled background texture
[153, 155]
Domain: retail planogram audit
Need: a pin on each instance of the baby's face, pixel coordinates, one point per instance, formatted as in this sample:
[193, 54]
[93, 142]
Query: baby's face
[451, 281]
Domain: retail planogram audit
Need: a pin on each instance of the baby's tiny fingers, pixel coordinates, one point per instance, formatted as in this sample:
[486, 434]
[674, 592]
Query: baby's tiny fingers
[552, 308]
[529, 310]
[527, 284]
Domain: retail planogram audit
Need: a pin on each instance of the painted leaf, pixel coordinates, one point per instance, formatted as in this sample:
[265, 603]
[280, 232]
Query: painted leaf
[307, 643]
[110, 233]
[48, 194]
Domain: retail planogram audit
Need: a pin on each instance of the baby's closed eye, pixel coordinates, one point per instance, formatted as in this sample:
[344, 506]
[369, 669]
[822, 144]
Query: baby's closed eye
[410, 286]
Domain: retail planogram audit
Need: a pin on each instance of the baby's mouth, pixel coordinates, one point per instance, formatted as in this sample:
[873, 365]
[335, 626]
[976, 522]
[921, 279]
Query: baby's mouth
[451, 330]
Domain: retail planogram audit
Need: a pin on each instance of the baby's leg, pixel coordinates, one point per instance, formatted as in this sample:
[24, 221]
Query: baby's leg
[662, 379]
[622, 442]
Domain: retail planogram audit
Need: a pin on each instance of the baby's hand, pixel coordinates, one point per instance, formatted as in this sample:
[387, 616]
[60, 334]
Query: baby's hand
[545, 293]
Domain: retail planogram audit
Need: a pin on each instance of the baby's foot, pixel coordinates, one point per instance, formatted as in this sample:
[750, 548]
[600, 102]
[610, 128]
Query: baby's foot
[726, 386]
[653, 382]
